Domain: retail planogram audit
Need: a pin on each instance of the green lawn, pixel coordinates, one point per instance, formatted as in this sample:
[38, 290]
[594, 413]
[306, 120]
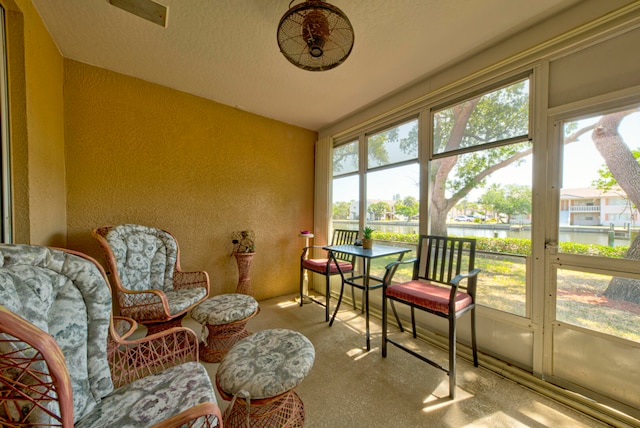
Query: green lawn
[502, 286]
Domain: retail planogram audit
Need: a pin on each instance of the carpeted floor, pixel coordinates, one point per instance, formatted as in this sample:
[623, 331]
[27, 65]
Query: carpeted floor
[349, 387]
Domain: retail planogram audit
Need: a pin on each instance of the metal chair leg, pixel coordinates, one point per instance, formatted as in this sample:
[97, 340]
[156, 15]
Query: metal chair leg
[353, 298]
[395, 313]
[384, 324]
[301, 285]
[452, 355]
[327, 297]
[335, 312]
[413, 322]
[474, 347]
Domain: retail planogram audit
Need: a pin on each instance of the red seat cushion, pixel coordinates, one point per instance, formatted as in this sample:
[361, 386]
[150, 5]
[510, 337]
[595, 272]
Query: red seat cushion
[320, 266]
[428, 295]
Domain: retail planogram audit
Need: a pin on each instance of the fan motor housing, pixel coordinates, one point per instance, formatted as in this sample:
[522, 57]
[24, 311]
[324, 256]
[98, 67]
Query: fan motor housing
[315, 36]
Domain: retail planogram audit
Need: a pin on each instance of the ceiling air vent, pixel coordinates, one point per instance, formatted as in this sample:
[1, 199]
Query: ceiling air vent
[146, 9]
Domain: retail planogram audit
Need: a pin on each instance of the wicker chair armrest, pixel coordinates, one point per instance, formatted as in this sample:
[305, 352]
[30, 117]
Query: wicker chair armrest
[191, 280]
[154, 294]
[144, 305]
[124, 326]
[132, 298]
[130, 360]
[203, 415]
[27, 389]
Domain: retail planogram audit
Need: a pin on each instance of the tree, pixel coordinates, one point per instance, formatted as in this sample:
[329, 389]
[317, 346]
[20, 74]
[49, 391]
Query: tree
[509, 200]
[607, 182]
[494, 199]
[341, 210]
[379, 209]
[625, 170]
[489, 118]
[408, 207]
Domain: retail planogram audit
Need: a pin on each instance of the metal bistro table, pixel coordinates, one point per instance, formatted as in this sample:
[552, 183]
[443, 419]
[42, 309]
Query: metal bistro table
[367, 255]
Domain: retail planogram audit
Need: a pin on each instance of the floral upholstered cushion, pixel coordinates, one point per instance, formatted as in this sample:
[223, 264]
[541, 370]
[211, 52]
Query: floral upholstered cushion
[67, 297]
[266, 364]
[224, 309]
[179, 300]
[145, 256]
[152, 399]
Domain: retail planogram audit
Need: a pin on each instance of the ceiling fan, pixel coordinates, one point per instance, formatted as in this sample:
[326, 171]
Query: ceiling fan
[315, 35]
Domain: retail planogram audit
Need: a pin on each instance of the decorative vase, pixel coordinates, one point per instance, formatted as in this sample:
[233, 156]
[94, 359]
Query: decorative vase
[367, 244]
[244, 270]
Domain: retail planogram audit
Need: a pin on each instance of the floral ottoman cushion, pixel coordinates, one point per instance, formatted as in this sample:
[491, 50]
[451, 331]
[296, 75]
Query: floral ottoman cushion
[266, 364]
[224, 309]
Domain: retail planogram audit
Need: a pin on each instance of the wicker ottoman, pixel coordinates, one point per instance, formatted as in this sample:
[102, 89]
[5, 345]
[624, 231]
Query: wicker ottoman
[259, 374]
[224, 318]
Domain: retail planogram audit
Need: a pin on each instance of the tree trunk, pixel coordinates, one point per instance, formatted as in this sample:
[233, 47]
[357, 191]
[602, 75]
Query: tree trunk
[439, 221]
[625, 169]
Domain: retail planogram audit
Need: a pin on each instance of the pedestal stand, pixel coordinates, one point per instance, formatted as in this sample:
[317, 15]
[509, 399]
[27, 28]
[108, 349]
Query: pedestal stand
[244, 273]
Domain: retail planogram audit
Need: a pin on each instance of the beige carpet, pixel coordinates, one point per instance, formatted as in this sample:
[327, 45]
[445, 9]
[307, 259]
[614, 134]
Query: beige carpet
[349, 387]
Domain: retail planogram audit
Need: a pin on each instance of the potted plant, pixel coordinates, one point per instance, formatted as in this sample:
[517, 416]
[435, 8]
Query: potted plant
[367, 240]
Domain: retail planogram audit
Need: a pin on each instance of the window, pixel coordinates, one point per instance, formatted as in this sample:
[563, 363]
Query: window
[345, 158]
[391, 173]
[345, 187]
[480, 183]
[601, 162]
[480, 178]
[393, 177]
[582, 301]
[494, 117]
[393, 146]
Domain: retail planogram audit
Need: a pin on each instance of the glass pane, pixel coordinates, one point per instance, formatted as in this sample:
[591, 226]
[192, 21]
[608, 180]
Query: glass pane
[392, 198]
[492, 117]
[345, 205]
[393, 145]
[487, 195]
[601, 185]
[392, 212]
[502, 282]
[582, 300]
[345, 158]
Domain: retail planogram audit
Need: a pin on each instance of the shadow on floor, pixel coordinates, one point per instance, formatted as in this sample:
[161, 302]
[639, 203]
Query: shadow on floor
[350, 387]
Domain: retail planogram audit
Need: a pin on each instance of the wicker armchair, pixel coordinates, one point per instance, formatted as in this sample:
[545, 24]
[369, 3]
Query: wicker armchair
[144, 271]
[65, 361]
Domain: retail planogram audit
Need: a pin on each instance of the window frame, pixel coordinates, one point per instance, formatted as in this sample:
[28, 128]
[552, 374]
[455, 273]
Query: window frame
[5, 146]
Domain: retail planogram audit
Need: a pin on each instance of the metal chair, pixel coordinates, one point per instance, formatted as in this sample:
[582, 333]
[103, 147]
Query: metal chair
[440, 271]
[324, 266]
[144, 271]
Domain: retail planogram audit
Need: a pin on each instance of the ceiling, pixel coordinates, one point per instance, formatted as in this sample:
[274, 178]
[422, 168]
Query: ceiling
[226, 50]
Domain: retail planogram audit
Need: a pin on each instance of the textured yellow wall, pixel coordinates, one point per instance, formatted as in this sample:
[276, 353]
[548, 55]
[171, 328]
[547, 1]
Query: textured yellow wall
[37, 128]
[141, 153]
